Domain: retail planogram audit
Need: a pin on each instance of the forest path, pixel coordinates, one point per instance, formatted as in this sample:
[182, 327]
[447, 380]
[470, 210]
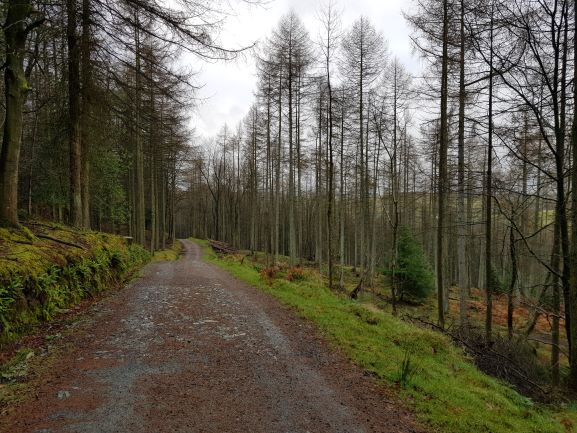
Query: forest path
[188, 348]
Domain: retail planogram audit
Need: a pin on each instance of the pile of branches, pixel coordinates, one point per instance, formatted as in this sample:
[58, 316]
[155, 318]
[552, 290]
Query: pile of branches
[513, 361]
[221, 248]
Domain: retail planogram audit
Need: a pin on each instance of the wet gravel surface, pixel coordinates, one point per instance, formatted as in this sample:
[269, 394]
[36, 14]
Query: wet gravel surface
[187, 348]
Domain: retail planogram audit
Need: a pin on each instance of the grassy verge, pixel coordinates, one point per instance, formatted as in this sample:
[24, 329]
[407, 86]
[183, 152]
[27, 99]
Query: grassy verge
[435, 378]
[172, 253]
[45, 268]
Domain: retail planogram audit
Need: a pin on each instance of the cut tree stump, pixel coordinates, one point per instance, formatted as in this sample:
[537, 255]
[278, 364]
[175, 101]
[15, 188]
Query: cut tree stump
[355, 293]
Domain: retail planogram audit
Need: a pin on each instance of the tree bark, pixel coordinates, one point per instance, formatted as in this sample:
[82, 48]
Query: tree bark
[463, 277]
[443, 179]
[86, 73]
[489, 271]
[74, 127]
[139, 211]
[572, 296]
[15, 89]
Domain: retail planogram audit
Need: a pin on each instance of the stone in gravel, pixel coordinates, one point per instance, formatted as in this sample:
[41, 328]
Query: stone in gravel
[63, 394]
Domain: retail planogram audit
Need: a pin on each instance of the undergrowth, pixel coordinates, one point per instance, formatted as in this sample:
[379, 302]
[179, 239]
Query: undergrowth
[47, 267]
[433, 376]
[171, 253]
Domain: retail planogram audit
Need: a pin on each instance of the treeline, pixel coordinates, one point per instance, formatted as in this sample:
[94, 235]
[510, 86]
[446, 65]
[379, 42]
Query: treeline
[95, 110]
[343, 148]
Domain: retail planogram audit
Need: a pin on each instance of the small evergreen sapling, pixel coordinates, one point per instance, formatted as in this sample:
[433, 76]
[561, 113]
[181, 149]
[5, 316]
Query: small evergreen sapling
[414, 278]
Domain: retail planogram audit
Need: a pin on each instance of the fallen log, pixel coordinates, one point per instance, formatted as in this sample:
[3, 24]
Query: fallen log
[221, 247]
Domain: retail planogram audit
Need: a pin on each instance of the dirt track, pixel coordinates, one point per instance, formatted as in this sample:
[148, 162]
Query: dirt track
[187, 348]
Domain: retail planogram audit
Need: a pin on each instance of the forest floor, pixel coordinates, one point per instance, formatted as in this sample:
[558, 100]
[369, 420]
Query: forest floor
[188, 348]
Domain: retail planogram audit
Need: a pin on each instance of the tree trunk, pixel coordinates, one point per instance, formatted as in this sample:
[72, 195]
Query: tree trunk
[463, 277]
[443, 180]
[555, 265]
[572, 298]
[330, 175]
[15, 90]
[490, 277]
[86, 71]
[74, 135]
[139, 212]
[513, 283]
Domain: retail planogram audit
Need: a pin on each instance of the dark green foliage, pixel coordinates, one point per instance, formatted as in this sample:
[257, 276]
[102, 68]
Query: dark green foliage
[108, 194]
[496, 284]
[414, 278]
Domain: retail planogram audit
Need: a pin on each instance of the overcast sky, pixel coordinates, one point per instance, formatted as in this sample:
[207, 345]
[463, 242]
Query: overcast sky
[228, 88]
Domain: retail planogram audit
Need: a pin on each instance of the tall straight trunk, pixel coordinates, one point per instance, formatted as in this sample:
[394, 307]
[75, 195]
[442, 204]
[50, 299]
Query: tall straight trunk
[556, 298]
[74, 128]
[559, 106]
[443, 179]
[373, 207]
[291, 180]
[470, 241]
[489, 272]
[362, 185]
[463, 277]
[330, 173]
[342, 195]
[172, 208]
[86, 73]
[559, 109]
[269, 162]
[318, 188]
[513, 283]
[15, 90]
[153, 137]
[394, 200]
[572, 296]
[237, 234]
[524, 268]
[277, 174]
[139, 213]
[31, 165]
[369, 219]
[299, 171]
[153, 206]
[163, 200]
[254, 180]
[131, 195]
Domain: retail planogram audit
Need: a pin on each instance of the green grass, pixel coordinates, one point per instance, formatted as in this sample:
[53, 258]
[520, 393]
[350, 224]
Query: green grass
[445, 390]
[172, 253]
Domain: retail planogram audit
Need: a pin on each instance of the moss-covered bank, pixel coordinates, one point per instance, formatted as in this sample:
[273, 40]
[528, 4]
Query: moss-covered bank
[45, 268]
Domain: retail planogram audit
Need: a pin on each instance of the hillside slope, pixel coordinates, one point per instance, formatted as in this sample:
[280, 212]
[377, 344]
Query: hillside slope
[441, 384]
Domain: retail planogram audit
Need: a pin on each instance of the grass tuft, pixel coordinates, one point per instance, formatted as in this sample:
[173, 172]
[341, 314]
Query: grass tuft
[169, 254]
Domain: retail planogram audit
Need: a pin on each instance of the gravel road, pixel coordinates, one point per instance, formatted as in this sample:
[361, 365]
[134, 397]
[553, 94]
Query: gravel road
[188, 348]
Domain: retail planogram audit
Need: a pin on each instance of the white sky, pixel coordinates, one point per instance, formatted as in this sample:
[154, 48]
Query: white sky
[228, 90]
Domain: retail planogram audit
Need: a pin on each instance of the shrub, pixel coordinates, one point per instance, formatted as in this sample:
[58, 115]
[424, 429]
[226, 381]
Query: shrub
[269, 274]
[295, 274]
[413, 275]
